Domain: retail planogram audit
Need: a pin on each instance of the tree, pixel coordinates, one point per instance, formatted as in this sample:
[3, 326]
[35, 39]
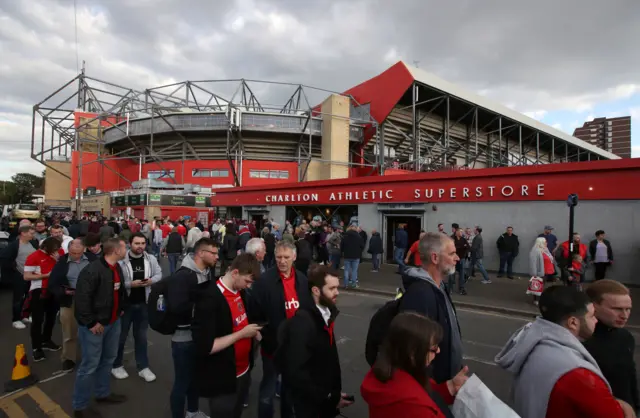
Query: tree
[25, 184]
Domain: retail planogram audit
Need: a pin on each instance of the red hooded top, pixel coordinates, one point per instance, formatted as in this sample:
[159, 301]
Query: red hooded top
[582, 250]
[402, 397]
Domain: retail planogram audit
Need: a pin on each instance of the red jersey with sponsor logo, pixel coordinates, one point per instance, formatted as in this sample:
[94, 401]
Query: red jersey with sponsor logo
[242, 347]
[291, 302]
[116, 294]
[40, 262]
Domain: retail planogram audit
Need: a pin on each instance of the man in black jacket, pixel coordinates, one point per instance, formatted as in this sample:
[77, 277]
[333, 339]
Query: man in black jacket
[611, 345]
[352, 247]
[100, 300]
[508, 247]
[311, 372]
[375, 249]
[275, 297]
[223, 337]
[62, 284]
[426, 294]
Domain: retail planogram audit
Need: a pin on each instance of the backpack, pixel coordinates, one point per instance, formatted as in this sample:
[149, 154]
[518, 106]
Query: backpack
[378, 327]
[160, 317]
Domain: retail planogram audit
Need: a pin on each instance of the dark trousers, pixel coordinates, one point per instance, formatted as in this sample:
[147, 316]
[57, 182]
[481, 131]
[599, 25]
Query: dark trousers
[600, 270]
[183, 354]
[173, 262]
[268, 260]
[375, 260]
[323, 254]
[506, 258]
[43, 316]
[20, 290]
[230, 406]
[302, 265]
[268, 388]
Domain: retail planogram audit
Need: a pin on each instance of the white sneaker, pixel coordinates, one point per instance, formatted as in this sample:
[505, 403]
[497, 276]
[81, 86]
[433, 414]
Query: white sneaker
[119, 373]
[27, 320]
[198, 414]
[147, 375]
[19, 325]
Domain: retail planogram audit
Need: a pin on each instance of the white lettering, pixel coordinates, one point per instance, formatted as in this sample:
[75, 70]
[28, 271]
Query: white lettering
[465, 192]
[314, 197]
[339, 195]
[478, 191]
[267, 199]
[306, 197]
[507, 191]
[292, 304]
[540, 189]
[428, 193]
[365, 195]
[332, 196]
[440, 193]
[347, 196]
[298, 198]
[491, 190]
[280, 199]
[452, 193]
[388, 194]
[357, 195]
[416, 194]
[525, 190]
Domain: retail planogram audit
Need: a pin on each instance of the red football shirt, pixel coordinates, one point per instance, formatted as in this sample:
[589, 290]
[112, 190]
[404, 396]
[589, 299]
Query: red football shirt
[291, 302]
[182, 230]
[415, 253]
[40, 262]
[242, 347]
[166, 230]
[116, 294]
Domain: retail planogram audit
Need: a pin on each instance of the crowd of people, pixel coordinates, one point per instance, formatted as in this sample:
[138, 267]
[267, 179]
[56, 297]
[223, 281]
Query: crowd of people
[271, 301]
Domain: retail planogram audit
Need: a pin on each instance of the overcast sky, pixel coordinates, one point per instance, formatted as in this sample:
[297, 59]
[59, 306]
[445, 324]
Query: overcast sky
[561, 62]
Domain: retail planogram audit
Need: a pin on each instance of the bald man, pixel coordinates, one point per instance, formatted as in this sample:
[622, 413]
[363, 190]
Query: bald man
[62, 283]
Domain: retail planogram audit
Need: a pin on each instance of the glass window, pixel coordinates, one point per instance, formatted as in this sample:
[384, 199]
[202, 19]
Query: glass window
[223, 173]
[264, 174]
[159, 174]
[274, 174]
[253, 174]
[284, 174]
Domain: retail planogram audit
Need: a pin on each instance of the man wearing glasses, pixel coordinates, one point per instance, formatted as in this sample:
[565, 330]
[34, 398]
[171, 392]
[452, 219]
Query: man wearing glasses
[193, 277]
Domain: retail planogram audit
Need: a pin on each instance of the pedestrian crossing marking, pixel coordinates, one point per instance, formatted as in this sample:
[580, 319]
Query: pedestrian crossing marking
[12, 410]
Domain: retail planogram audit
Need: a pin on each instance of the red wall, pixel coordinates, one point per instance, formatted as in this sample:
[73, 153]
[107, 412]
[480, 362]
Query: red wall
[97, 175]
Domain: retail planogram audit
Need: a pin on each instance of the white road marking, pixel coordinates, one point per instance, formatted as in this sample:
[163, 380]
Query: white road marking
[479, 344]
[479, 360]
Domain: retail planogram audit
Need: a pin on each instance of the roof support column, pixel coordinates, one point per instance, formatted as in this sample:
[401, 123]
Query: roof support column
[381, 148]
[447, 119]
[520, 153]
[537, 148]
[414, 127]
[553, 150]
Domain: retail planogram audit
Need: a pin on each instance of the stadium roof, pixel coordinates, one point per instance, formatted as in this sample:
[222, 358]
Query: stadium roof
[396, 80]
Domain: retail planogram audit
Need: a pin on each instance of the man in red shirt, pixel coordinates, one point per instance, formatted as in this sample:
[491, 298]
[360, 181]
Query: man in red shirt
[100, 300]
[276, 297]
[554, 375]
[413, 251]
[40, 303]
[223, 337]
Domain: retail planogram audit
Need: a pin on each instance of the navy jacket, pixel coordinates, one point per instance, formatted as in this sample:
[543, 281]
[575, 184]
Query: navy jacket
[401, 239]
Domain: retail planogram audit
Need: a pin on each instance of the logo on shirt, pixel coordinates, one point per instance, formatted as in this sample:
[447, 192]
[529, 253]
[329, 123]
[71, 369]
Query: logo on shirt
[240, 319]
[292, 304]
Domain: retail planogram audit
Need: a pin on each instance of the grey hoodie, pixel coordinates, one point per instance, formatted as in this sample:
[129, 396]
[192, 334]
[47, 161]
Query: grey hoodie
[184, 335]
[538, 355]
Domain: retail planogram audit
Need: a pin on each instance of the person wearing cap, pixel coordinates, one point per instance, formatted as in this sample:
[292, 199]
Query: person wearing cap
[552, 240]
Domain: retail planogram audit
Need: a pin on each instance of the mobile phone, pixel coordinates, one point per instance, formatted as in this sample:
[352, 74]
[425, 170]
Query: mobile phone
[262, 324]
[349, 398]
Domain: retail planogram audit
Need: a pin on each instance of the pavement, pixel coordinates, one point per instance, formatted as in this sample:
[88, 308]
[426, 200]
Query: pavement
[483, 335]
[503, 295]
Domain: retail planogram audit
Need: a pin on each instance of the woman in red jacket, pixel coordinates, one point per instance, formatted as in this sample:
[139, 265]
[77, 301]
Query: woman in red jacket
[398, 385]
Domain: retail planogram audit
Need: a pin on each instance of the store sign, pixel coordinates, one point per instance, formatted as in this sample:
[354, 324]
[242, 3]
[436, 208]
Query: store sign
[426, 194]
[178, 200]
[129, 200]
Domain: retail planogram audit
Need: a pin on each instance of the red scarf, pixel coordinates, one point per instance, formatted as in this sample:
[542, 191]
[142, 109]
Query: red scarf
[329, 329]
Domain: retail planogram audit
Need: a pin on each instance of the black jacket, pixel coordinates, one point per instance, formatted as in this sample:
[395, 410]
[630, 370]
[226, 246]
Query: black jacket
[352, 245]
[94, 294]
[215, 374]
[375, 244]
[613, 350]
[92, 256]
[174, 243]
[462, 247]
[508, 244]
[312, 367]
[267, 304]
[184, 290]
[424, 298]
[243, 238]
[229, 248]
[304, 250]
[270, 242]
[592, 249]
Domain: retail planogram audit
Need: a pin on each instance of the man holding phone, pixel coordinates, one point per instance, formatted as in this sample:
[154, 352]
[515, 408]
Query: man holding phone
[140, 271]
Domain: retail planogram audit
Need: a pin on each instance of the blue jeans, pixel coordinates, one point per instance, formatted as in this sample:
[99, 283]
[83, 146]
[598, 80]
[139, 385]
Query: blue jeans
[375, 259]
[173, 262]
[138, 316]
[506, 258]
[335, 260]
[398, 257]
[268, 387]
[351, 271]
[480, 266]
[98, 354]
[183, 354]
[461, 279]
[156, 250]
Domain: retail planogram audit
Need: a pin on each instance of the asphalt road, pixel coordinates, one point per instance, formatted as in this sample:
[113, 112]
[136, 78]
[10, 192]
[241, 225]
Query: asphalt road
[483, 335]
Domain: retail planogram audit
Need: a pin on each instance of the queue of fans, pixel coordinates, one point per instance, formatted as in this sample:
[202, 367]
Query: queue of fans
[576, 360]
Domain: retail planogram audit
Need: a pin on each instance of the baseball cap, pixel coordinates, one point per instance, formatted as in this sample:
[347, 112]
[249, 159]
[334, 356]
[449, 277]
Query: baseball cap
[549, 227]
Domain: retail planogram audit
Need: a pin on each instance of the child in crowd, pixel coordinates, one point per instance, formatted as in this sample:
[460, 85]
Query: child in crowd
[576, 271]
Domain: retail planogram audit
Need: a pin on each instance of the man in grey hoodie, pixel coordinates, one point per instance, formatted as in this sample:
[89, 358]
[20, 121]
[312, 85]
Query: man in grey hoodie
[554, 375]
[194, 275]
